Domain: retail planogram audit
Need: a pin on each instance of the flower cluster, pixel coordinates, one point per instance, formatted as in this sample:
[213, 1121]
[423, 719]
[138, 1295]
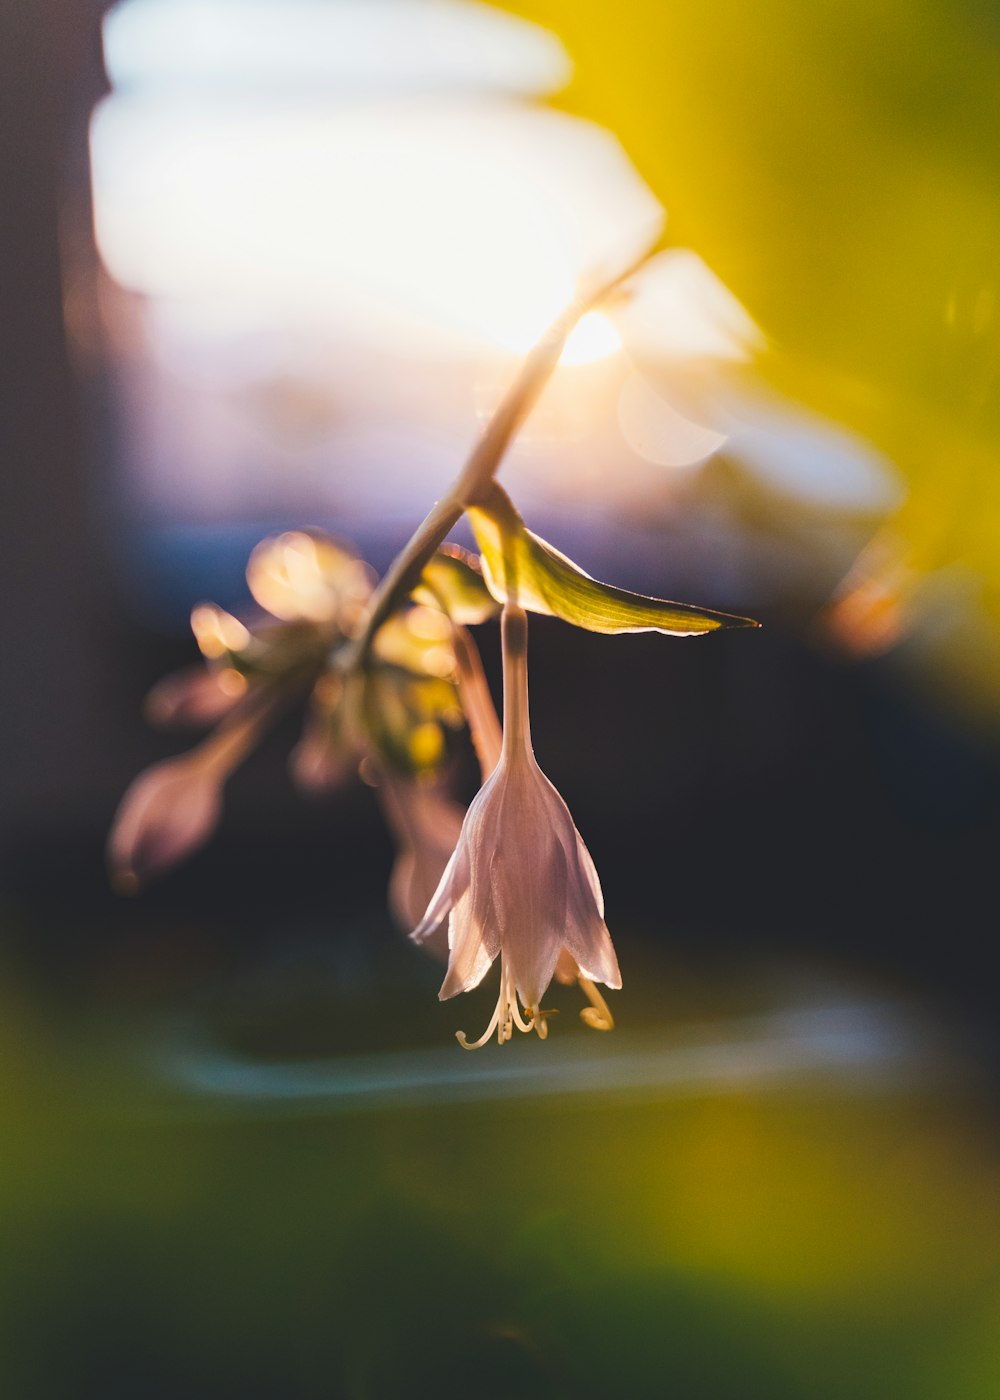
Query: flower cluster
[391, 672]
[390, 717]
[510, 878]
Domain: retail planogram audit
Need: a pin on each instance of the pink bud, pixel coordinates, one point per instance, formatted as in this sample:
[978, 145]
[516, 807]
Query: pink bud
[167, 813]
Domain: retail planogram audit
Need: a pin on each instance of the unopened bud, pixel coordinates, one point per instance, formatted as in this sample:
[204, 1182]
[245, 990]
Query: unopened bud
[167, 813]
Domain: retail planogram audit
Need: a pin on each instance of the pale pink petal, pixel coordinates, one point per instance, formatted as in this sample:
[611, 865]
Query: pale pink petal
[528, 880]
[594, 952]
[473, 950]
[586, 936]
[590, 872]
[453, 885]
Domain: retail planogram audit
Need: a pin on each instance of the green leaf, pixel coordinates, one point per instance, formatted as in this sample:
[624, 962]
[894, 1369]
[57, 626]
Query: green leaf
[453, 582]
[520, 566]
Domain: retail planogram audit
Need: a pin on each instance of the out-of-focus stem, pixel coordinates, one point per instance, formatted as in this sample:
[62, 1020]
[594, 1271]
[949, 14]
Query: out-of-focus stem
[234, 737]
[477, 702]
[480, 468]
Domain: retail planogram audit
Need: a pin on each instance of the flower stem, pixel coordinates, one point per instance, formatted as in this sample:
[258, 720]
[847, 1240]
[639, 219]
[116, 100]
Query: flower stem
[480, 468]
[233, 738]
[514, 644]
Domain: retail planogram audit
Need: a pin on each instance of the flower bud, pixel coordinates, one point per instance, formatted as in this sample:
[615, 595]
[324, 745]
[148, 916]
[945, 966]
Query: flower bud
[168, 811]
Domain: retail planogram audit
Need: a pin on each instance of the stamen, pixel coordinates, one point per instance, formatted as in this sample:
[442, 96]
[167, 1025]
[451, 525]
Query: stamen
[537, 1022]
[460, 1036]
[597, 1015]
[506, 1015]
[522, 1024]
[506, 1029]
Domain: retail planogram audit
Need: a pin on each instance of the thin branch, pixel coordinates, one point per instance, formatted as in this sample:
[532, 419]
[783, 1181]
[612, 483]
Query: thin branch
[480, 468]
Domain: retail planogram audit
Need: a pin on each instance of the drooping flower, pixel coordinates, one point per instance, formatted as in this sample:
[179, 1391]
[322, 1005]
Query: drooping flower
[520, 884]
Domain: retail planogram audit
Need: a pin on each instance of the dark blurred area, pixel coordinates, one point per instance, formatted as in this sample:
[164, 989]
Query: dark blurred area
[776, 827]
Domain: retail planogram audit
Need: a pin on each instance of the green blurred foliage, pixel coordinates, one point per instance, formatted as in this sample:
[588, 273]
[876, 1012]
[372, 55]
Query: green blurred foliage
[816, 1238]
[836, 164]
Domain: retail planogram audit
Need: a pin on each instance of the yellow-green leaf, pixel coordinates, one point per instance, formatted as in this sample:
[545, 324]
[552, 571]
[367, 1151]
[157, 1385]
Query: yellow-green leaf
[417, 639]
[523, 568]
[453, 582]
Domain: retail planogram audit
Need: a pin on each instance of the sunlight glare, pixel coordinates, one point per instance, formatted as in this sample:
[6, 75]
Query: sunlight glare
[459, 218]
[365, 167]
[361, 46]
[679, 309]
[658, 432]
[594, 338]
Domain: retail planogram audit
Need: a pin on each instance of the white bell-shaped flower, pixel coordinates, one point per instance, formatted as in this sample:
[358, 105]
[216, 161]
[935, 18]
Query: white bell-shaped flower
[521, 883]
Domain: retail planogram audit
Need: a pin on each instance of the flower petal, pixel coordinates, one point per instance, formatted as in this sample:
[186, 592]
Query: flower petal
[586, 934]
[590, 873]
[474, 946]
[453, 885]
[529, 880]
[594, 952]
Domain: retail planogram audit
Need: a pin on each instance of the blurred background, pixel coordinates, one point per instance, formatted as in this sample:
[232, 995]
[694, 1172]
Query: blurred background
[272, 265]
